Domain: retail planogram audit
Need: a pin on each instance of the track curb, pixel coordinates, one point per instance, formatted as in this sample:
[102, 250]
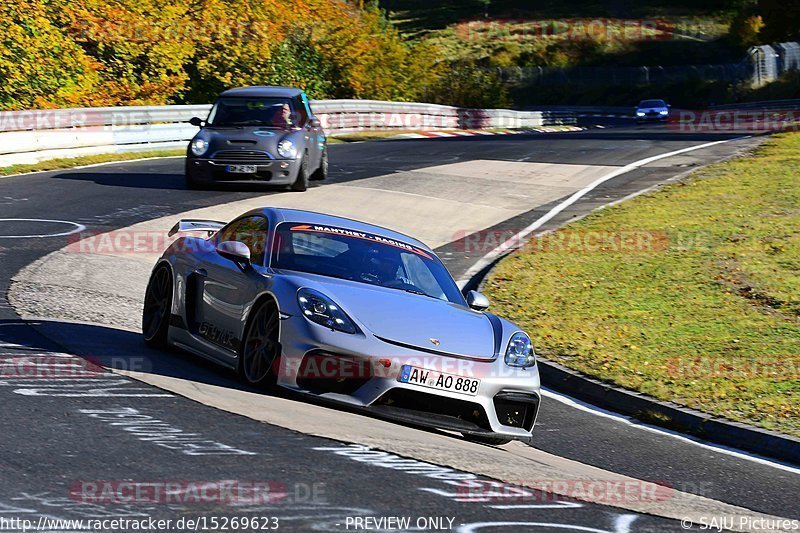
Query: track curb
[670, 415]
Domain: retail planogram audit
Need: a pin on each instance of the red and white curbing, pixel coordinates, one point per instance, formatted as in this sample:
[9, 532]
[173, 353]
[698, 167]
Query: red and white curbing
[473, 133]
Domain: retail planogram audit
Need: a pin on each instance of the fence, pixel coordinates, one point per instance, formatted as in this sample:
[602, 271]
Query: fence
[782, 105]
[34, 135]
[614, 76]
[762, 65]
[772, 61]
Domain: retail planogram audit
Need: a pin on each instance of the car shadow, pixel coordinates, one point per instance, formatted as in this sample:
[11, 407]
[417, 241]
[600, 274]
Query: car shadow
[163, 181]
[125, 351]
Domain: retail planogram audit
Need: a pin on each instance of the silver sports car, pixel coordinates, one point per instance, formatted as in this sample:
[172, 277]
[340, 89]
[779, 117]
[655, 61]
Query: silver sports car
[345, 311]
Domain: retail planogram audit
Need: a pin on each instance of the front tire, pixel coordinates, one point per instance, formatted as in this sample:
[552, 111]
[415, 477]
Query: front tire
[192, 183]
[322, 172]
[259, 355]
[301, 183]
[157, 308]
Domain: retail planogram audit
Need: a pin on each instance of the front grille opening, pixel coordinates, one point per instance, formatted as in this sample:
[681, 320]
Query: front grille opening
[516, 410]
[322, 372]
[242, 155]
[468, 412]
[260, 175]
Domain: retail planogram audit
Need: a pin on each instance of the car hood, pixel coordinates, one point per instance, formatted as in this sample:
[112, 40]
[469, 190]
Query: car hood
[411, 320]
[244, 139]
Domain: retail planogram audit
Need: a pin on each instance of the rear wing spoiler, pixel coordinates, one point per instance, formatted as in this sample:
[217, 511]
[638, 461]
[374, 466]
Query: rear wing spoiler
[210, 226]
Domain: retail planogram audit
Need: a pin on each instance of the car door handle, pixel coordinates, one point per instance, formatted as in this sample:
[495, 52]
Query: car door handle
[201, 272]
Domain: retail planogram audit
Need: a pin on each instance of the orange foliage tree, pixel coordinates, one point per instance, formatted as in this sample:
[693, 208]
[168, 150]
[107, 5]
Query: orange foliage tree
[137, 52]
[39, 65]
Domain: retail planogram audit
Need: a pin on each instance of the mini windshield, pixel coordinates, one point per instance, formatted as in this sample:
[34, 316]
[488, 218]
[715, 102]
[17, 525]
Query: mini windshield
[362, 257]
[652, 103]
[262, 112]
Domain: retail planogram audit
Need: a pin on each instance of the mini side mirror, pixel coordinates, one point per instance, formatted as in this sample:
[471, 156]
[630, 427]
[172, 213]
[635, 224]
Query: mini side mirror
[314, 122]
[236, 251]
[477, 301]
[196, 121]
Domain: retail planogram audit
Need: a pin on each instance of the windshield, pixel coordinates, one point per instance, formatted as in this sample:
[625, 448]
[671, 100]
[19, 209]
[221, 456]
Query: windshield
[652, 103]
[362, 257]
[264, 112]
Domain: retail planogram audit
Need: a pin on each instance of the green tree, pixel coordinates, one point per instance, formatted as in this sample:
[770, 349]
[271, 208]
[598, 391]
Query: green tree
[469, 85]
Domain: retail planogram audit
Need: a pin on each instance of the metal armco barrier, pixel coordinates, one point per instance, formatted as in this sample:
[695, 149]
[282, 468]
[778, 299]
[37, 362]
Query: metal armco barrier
[34, 135]
[765, 105]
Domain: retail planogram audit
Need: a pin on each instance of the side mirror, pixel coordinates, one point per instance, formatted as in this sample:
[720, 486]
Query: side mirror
[195, 121]
[236, 251]
[477, 301]
[668, 105]
[314, 122]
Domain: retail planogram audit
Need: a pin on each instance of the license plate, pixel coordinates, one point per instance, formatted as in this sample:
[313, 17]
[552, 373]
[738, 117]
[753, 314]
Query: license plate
[439, 380]
[241, 169]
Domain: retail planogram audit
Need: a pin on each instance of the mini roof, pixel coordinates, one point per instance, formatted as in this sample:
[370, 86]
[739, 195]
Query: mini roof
[262, 92]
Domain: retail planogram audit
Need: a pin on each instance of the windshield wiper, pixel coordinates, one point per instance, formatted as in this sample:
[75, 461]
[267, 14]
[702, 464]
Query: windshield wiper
[413, 291]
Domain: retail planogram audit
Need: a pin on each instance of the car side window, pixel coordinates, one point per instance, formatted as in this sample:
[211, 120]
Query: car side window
[301, 110]
[251, 231]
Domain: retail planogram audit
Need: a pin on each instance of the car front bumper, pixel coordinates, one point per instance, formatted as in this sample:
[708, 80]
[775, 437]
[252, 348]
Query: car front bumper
[274, 172]
[652, 117]
[362, 371]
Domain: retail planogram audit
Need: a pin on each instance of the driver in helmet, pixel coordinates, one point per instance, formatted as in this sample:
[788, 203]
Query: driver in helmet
[380, 266]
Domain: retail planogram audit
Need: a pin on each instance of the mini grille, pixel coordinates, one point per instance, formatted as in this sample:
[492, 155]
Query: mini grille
[242, 155]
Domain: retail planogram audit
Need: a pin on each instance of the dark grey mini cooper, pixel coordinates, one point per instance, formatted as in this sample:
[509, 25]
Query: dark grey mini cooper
[258, 135]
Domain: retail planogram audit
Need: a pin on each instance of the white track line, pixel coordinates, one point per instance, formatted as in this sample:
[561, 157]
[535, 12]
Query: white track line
[93, 165]
[77, 228]
[588, 408]
[516, 241]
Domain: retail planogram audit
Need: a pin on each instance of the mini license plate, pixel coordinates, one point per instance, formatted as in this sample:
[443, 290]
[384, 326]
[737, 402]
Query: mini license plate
[241, 169]
[439, 380]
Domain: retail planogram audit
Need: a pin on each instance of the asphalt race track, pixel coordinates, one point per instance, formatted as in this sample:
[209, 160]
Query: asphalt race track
[62, 438]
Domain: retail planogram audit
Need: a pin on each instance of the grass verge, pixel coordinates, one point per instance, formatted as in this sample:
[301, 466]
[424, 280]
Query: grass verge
[71, 162]
[689, 294]
[363, 136]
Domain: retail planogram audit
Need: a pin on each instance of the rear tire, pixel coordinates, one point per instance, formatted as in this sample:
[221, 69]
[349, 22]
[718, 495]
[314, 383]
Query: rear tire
[260, 352]
[322, 172]
[301, 183]
[483, 439]
[157, 308]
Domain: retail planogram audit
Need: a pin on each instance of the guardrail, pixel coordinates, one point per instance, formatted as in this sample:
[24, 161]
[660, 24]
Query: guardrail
[35, 135]
[770, 104]
[585, 109]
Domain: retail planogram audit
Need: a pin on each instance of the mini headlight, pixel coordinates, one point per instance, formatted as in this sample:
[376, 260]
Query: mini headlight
[520, 351]
[199, 147]
[640, 113]
[663, 112]
[322, 310]
[287, 149]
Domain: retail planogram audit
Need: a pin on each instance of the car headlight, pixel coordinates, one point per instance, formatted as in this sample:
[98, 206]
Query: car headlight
[520, 351]
[287, 149]
[663, 112]
[640, 113]
[322, 310]
[199, 147]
